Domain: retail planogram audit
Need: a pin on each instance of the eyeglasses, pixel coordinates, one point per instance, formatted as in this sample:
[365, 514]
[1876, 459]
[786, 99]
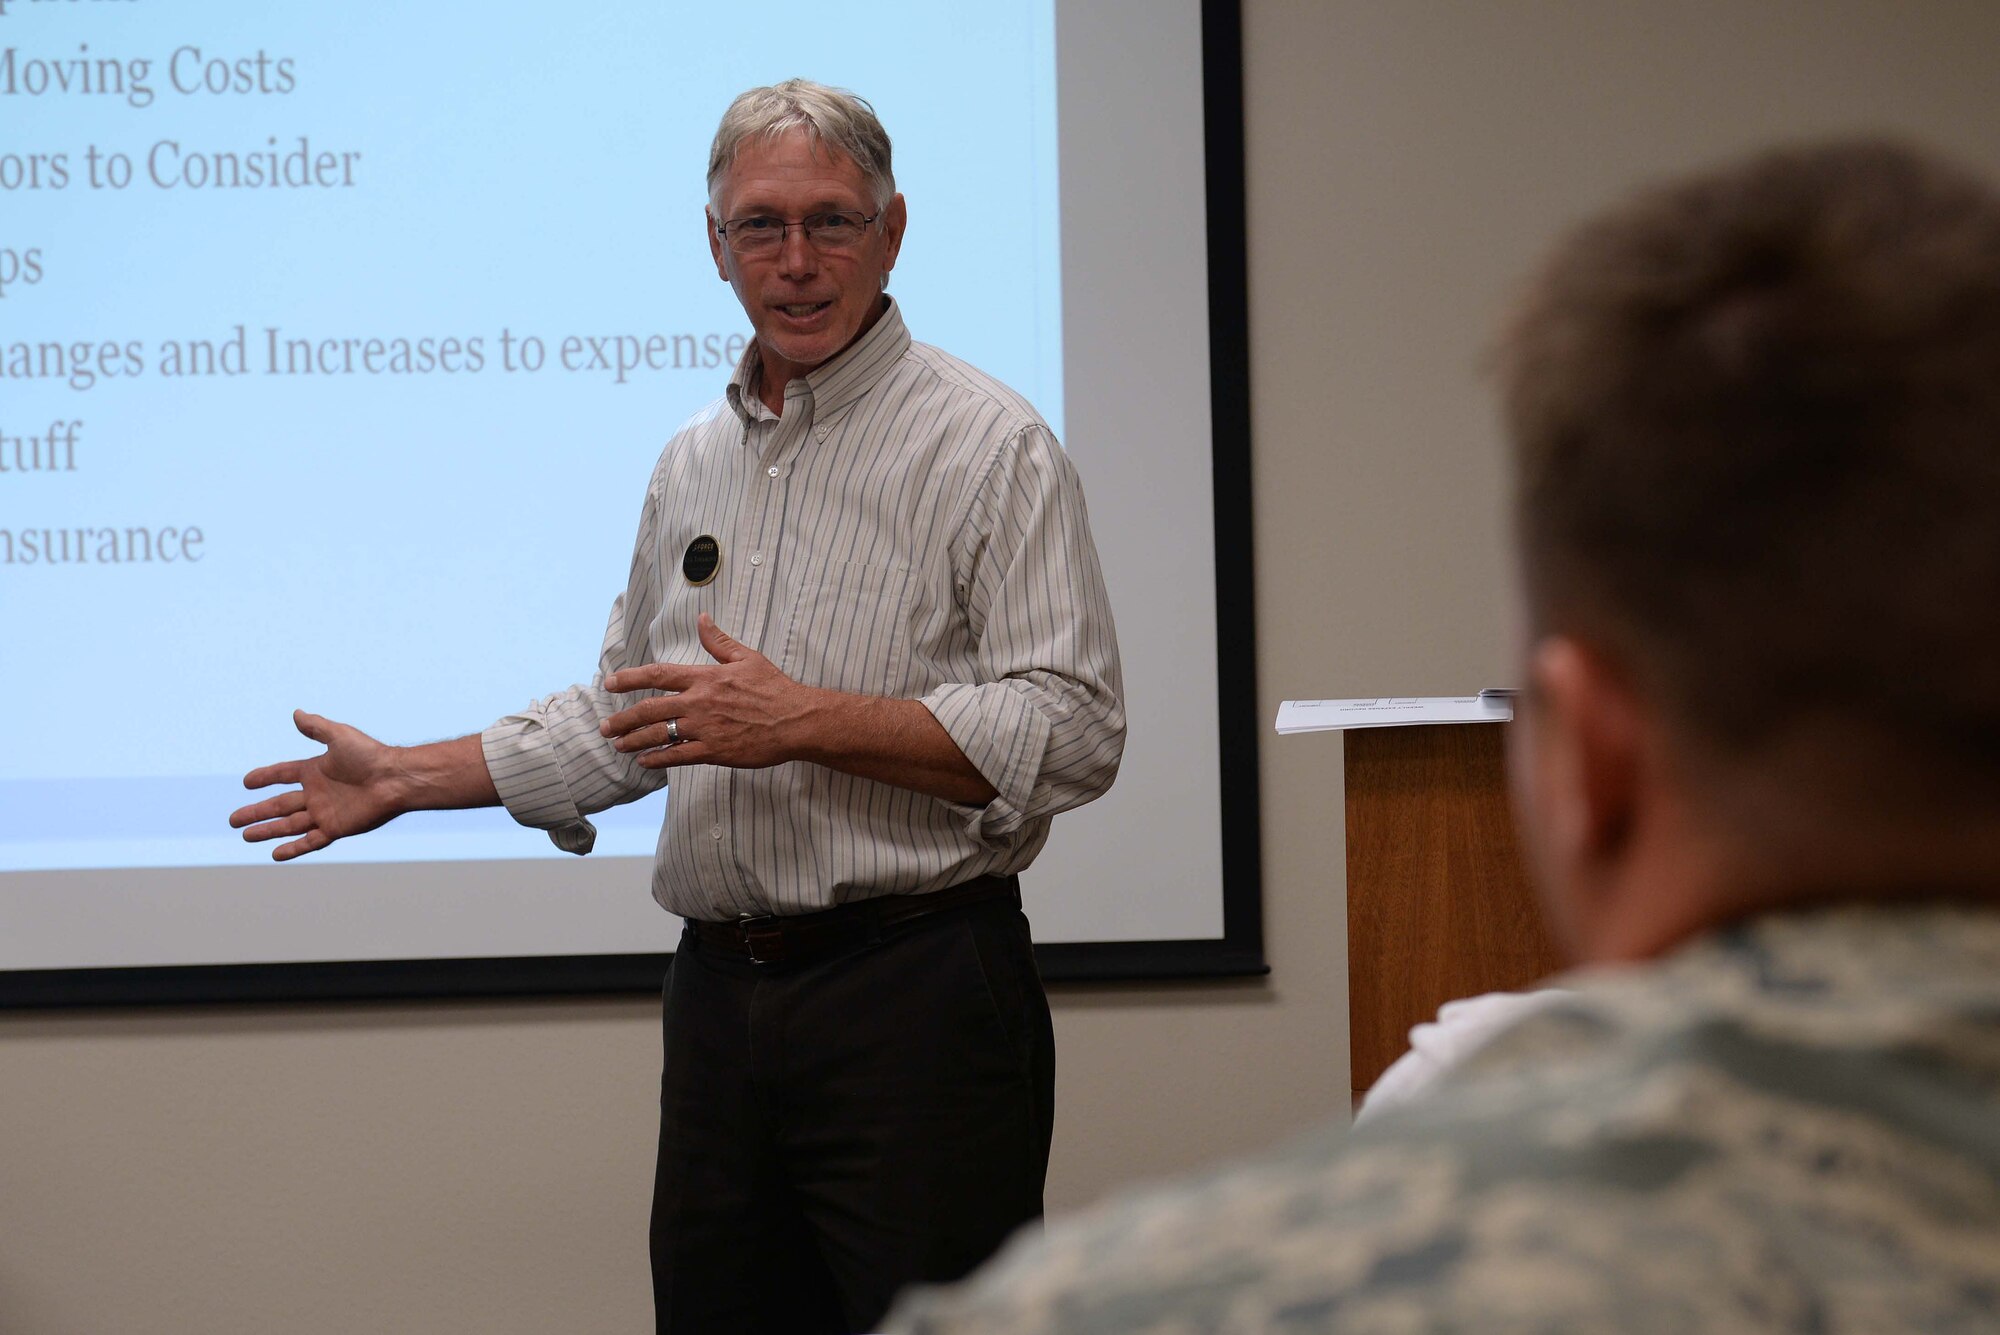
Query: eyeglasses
[762, 235]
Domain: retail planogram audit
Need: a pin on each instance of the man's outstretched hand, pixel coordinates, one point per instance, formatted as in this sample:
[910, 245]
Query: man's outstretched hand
[351, 789]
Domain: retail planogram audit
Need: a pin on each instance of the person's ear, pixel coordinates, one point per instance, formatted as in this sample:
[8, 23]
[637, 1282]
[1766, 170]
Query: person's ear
[1580, 778]
[715, 245]
[895, 217]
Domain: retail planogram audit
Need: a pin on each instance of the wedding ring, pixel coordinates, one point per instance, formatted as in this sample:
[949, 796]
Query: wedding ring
[673, 732]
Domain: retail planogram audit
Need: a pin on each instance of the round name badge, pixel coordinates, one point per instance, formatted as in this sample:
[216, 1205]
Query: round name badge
[701, 560]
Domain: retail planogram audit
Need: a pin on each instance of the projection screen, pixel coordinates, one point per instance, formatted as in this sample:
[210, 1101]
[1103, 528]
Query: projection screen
[295, 300]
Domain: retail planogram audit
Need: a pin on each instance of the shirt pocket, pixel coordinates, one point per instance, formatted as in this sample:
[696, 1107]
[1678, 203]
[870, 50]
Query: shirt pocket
[849, 629]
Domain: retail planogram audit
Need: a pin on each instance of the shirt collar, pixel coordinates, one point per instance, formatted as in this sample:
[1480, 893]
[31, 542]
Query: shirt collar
[835, 384]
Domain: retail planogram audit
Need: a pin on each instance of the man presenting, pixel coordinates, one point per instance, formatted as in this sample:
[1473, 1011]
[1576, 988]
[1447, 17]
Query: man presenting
[1756, 429]
[865, 621]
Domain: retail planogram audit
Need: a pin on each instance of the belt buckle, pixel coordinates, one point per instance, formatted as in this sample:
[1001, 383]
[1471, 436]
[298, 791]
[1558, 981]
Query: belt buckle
[763, 937]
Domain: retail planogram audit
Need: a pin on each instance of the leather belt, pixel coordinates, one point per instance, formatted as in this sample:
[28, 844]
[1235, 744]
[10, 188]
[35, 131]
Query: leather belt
[800, 938]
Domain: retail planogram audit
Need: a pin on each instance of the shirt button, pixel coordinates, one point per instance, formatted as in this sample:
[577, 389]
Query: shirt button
[756, 558]
[772, 470]
[715, 832]
[820, 434]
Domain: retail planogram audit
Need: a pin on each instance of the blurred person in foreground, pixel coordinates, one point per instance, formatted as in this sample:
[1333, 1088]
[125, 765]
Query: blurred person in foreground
[1755, 417]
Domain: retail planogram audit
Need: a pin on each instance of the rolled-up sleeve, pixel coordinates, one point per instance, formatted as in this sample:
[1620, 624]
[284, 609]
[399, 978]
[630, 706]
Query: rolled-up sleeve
[1045, 723]
[549, 762]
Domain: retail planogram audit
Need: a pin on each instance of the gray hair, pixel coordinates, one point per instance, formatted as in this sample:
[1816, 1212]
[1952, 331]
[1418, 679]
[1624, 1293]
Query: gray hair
[832, 117]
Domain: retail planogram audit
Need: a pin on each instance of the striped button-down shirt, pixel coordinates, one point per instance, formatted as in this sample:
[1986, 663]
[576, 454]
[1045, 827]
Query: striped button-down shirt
[908, 527]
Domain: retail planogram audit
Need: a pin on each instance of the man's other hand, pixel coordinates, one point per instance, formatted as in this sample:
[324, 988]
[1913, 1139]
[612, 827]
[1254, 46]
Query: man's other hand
[351, 789]
[738, 711]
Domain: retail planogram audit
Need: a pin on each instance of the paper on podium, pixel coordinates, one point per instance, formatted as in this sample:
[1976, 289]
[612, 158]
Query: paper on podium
[1492, 706]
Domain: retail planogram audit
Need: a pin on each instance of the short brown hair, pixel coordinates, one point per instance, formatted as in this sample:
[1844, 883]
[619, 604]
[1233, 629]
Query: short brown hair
[1756, 422]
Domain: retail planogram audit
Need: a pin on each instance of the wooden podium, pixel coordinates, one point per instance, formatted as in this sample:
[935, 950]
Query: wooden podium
[1438, 901]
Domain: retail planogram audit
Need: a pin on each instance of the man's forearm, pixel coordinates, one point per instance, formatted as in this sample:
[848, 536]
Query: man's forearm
[442, 776]
[741, 712]
[897, 742]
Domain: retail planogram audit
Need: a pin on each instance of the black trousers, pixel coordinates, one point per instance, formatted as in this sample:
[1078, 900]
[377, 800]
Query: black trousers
[833, 1131]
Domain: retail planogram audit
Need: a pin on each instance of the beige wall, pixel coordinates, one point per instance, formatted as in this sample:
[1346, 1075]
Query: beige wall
[484, 1167]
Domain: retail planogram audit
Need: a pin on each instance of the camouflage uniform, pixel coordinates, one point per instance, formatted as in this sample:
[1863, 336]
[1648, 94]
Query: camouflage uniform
[1792, 1125]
